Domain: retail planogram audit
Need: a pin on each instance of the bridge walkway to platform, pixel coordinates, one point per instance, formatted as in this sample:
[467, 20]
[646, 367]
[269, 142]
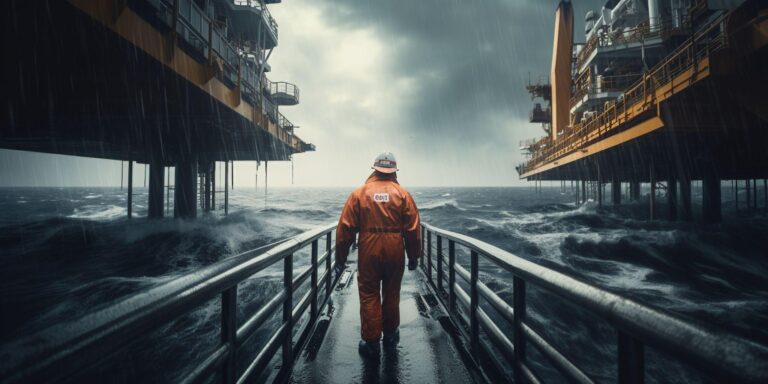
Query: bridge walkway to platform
[425, 353]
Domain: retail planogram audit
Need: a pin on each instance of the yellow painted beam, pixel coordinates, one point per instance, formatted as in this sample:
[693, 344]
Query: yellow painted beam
[638, 130]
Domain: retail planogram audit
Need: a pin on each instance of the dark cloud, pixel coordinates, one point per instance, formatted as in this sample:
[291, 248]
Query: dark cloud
[471, 59]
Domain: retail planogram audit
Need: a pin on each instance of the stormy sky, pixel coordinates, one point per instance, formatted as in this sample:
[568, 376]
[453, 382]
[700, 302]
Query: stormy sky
[440, 83]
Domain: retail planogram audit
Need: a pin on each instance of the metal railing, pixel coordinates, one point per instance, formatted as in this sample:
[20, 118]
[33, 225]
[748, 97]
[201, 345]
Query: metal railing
[289, 89]
[262, 7]
[284, 123]
[638, 98]
[603, 38]
[64, 350]
[717, 354]
[592, 85]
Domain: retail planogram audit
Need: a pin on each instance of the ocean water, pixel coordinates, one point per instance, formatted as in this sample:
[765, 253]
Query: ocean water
[65, 252]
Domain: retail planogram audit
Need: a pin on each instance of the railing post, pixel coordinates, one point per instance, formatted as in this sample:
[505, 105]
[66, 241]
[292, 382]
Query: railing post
[229, 332]
[429, 257]
[423, 241]
[313, 286]
[631, 360]
[439, 264]
[473, 324]
[451, 276]
[518, 286]
[287, 313]
[328, 262]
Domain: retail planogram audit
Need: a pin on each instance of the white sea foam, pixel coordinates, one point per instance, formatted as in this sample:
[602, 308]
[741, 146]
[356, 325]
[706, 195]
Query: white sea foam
[99, 212]
[441, 203]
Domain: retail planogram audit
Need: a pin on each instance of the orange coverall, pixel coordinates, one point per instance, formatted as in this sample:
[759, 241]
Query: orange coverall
[388, 221]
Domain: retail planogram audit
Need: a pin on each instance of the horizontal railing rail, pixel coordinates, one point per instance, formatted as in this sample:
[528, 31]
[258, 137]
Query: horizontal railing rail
[62, 351]
[716, 353]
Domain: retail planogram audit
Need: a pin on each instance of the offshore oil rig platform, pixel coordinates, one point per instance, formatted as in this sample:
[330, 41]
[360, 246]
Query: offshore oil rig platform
[176, 84]
[669, 91]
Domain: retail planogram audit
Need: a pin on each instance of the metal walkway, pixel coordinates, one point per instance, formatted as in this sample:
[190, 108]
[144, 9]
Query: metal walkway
[425, 353]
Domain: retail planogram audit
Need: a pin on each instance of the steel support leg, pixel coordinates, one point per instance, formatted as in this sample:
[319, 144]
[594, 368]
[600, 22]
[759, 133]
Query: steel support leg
[600, 192]
[672, 197]
[616, 191]
[130, 188]
[685, 199]
[226, 187]
[206, 187]
[754, 194]
[155, 199]
[213, 186]
[185, 189]
[710, 202]
[634, 190]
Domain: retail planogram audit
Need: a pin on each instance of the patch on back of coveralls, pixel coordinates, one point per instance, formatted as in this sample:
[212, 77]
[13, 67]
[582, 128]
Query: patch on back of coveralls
[381, 197]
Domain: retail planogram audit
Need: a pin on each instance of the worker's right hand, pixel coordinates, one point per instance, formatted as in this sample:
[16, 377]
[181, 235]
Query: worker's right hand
[412, 264]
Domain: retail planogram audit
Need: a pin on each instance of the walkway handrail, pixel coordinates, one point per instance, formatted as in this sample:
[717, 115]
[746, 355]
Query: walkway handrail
[714, 352]
[61, 351]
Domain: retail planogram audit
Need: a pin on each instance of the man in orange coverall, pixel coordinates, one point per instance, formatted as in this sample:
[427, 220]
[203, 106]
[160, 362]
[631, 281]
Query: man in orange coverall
[388, 221]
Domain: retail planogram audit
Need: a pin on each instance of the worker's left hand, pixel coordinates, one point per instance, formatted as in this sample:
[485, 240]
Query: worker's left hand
[412, 264]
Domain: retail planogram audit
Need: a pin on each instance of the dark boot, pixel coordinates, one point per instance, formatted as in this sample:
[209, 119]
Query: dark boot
[368, 348]
[391, 339]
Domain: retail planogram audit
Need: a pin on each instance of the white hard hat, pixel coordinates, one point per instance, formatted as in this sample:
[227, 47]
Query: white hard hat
[385, 163]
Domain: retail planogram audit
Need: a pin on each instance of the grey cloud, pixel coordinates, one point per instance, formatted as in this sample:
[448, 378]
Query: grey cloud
[470, 59]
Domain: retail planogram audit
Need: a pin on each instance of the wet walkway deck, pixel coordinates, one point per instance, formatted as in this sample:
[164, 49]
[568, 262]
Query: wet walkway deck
[425, 354]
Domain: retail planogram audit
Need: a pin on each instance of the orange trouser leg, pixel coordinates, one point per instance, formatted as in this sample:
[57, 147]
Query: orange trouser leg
[394, 265]
[368, 282]
[380, 265]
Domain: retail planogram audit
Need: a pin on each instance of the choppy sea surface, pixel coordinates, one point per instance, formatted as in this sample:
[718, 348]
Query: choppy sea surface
[65, 252]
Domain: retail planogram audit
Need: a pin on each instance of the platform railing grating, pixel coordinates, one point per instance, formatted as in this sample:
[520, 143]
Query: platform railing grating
[91, 339]
[715, 353]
